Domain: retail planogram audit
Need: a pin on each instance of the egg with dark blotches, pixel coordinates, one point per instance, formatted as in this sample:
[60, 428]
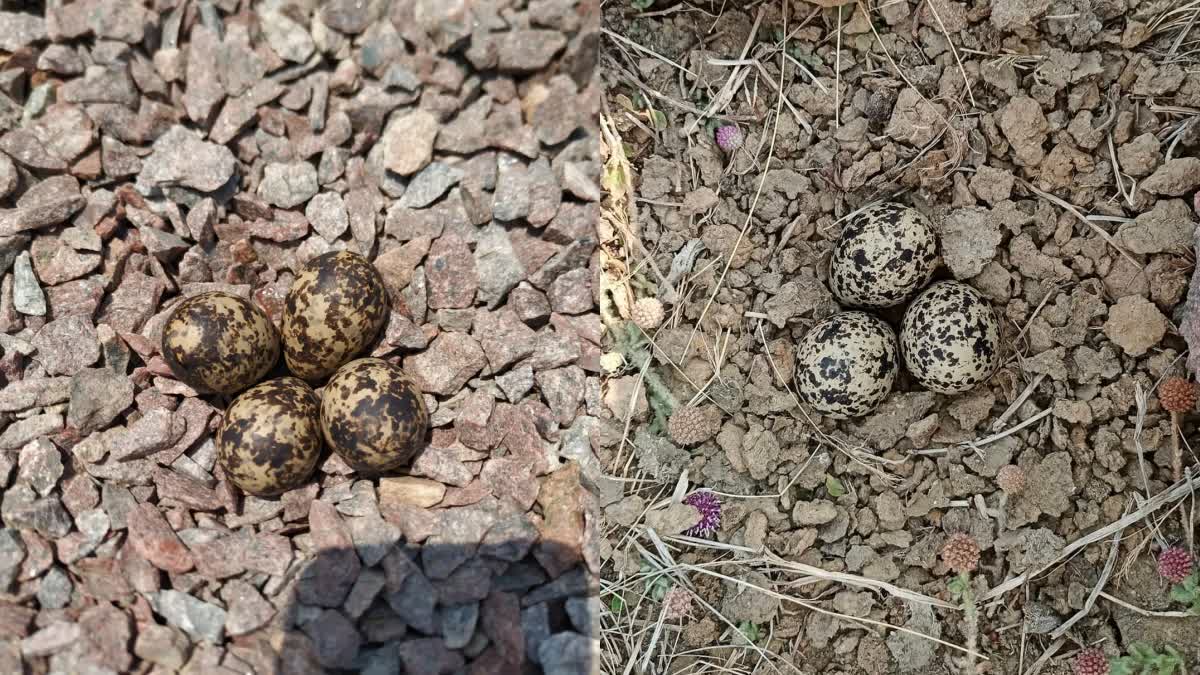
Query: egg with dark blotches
[950, 338]
[333, 312]
[373, 415]
[846, 365]
[884, 255]
[270, 439]
[219, 343]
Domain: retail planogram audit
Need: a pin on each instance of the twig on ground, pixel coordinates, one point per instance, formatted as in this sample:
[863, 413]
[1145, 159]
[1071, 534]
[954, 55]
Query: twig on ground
[645, 50]
[987, 439]
[966, 81]
[1036, 666]
[845, 617]
[837, 74]
[726, 93]
[753, 206]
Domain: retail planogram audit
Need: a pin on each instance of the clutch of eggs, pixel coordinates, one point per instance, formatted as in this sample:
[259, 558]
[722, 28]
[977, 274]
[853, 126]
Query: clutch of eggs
[370, 412]
[949, 337]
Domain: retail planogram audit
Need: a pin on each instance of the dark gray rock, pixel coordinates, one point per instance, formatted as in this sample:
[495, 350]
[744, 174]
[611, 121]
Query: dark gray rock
[430, 184]
[567, 654]
[288, 185]
[458, 624]
[12, 554]
[98, 396]
[535, 626]
[335, 639]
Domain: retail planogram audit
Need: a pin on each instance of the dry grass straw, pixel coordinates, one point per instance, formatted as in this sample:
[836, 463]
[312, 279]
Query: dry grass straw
[1176, 492]
[956, 137]
[801, 575]
[627, 637]
[1182, 18]
[1074, 210]
[637, 633]
[732, 84]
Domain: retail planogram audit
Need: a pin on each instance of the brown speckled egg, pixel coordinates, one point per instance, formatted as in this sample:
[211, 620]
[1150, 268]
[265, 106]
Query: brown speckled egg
[373, 415]
[334, 310]
[219, 343]
[270, 439]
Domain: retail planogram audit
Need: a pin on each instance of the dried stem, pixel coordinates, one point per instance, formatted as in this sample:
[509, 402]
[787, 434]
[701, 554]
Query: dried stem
[966, 594]
[1176, 450]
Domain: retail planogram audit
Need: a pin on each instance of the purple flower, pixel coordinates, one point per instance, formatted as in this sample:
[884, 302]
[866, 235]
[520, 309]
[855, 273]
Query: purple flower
[1175, 564]
[729, 138]
[710, 513]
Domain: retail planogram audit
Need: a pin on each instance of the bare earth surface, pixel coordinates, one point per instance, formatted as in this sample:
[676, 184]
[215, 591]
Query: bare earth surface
[149, 153]
[1053, 145]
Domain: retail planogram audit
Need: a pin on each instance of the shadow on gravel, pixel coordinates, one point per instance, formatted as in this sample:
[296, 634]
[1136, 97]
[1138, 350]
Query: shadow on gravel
[436, 609]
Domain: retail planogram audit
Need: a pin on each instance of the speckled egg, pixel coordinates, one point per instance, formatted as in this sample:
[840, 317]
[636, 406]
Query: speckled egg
[950, 338]
[219, 343]
[373, 415]
[270, 439]
[333, 312]
[884, 255]
[846, 365]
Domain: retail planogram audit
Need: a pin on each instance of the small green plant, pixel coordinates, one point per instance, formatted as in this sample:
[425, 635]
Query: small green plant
[641, 5]
[834, 487]
[658, 119]
[616, 605]
[749, 631]
[657, 585]
[1188, 593]
[633, 344]
[804, 55]
[711, 126]
[1144, 659]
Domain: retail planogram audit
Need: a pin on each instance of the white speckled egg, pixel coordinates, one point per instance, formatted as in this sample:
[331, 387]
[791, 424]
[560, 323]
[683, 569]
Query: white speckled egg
[950, 338]
[846, 364]
[884, 255]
